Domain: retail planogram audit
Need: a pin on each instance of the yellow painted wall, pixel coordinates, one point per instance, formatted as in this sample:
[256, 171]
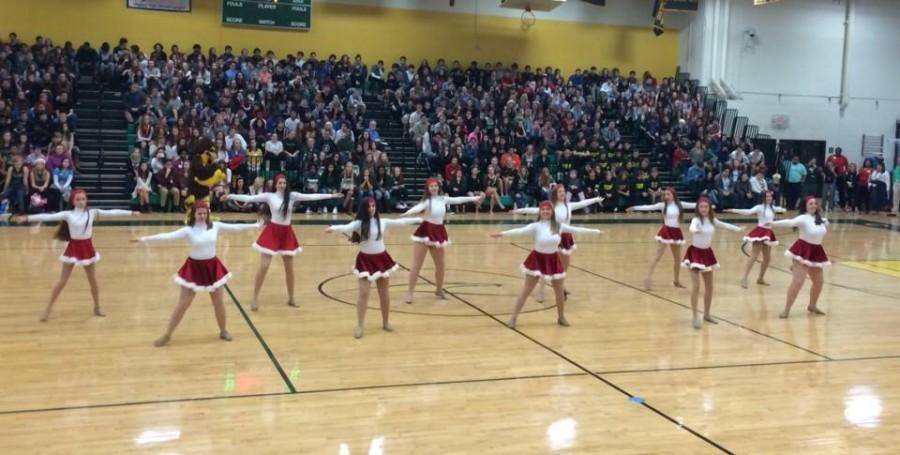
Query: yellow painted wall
[376, 33]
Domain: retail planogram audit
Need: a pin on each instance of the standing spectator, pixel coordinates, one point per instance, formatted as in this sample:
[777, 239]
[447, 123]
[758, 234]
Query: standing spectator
[840, 163]
[275, 151]
[879, 182]
[829, 187]
[850, 180]
[895, 182]
[796, 174]
[862, 186]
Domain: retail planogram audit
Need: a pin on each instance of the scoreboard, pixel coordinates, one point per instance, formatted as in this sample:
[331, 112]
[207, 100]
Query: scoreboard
[292, 14]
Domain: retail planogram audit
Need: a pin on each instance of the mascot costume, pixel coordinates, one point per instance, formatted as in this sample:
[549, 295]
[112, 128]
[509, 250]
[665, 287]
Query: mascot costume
[204, 174]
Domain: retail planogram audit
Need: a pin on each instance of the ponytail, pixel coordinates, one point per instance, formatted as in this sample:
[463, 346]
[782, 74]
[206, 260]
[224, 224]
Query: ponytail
[62, 232]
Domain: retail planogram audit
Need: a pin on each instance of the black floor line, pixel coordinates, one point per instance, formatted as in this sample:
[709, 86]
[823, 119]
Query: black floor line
[433, 383]
[142, 403]
[675, 302]
[262, 342]
[584, 369]
[299, 392]
[750, 365]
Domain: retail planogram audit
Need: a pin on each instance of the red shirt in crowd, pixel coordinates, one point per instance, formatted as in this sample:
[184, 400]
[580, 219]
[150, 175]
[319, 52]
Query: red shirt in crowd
[450, 170]
[840, 163]
[678, 155]
[862, 178]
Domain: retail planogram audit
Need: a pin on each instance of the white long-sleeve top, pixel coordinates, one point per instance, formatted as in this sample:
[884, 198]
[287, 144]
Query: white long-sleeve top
[545, 240]
[883, 177]
[435, 207]
[810, 232]
[374, 244]
[274, 201]
[670, 217]
[764, 214]
[703, 231]
[562, 211]
[202, 238]
[77, 219]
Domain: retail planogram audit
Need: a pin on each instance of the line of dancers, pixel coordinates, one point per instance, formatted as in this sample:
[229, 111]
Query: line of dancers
[807, 254]
[552, 235]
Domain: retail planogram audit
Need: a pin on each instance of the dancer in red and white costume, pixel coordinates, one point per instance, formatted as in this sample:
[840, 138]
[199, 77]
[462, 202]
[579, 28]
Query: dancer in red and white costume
[544, 261]
[761, 237]
[431, 236]
[808, 256]
[701, 260]
[373, 263]
[277, 238]
[562, 210]
[202, 271]
[669, 234]
[76, 226]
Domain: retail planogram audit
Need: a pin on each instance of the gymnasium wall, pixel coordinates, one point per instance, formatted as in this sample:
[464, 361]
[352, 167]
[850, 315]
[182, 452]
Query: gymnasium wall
[794, 65]
[376, 32]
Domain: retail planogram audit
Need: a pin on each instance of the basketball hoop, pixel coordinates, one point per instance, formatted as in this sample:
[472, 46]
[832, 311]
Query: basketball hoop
[528, 19]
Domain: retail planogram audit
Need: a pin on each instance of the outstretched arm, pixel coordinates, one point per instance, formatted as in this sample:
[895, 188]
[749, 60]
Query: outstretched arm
[578, 230]
[647, 208]
[744, 212]
[236, 227]
[689, 205]
[418, 208]
[345, 228]
[261, 197]
[728, 226]
[113, 212]
[312, 196]
[462, 200]
[401, 221]
[787, 222]
[585, 203]
[527, 211]
[518, 231]
[183, 232]
[58, 216]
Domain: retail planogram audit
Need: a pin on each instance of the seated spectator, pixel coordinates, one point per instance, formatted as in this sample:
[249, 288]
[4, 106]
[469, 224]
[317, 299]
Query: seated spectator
[15, 187]
[142, 189]
[744, 192]
[39, 184]
[167, 186]
[61, 188]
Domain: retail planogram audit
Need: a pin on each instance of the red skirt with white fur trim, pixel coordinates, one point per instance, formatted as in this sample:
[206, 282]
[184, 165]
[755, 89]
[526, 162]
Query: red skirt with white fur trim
[808, 254]
[277, 240]
[567, 243]
[670, 235]
[202, 275]
[701, 259]
[80, 252]
[761, 234]
[374, 267]
[546, 266]
[431, 234]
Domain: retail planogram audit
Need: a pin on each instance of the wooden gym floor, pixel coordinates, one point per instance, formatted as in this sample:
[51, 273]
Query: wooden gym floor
[629, 376]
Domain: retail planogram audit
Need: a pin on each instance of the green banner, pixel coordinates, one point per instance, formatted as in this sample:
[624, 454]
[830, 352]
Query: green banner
[294, 14]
